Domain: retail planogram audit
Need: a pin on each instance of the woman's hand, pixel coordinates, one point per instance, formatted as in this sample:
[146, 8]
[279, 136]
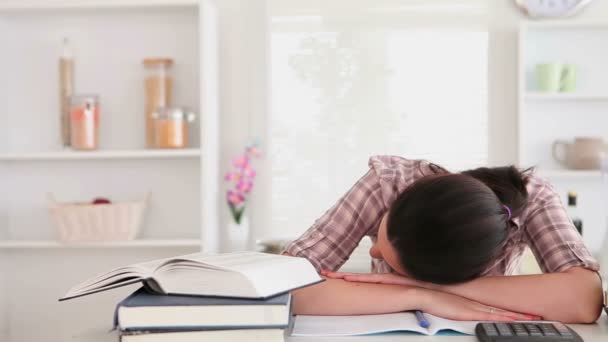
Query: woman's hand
[378, 278]
[451, 306]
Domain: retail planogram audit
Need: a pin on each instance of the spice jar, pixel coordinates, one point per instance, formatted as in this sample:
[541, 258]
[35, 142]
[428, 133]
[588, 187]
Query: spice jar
[171, 127]
[158, 88]
[84, 122]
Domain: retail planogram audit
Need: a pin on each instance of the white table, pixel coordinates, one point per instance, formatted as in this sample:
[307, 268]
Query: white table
[597, 332]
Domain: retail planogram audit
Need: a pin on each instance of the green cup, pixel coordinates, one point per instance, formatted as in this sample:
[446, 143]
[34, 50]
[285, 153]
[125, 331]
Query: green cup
[549, 76]
[554, 77]
[568, 78]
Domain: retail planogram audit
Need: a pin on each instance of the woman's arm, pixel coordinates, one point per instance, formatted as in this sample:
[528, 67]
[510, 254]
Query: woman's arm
[572, 296]
[328, 243]
[339, 297]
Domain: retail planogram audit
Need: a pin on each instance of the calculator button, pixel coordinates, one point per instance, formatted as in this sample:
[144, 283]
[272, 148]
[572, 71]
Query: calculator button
[519, 329]
[503, 329]
[533, 329]
[548, 329]
[562, 329]
[490, 329]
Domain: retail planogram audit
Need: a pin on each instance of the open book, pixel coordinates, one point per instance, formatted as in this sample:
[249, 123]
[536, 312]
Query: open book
[322, 326]
[241, 275]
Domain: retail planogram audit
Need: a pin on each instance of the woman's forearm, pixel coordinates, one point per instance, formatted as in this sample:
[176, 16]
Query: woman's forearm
[339, 297]
[573, 296]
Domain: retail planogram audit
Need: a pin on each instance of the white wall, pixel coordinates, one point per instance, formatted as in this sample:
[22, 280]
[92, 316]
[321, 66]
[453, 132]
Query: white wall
[242, 83]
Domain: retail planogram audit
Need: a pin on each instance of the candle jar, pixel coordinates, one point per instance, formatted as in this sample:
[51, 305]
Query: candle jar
[158, 88]
[171, 127]
[84, 122]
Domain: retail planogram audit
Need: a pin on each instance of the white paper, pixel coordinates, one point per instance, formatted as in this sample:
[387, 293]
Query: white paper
[324, 326]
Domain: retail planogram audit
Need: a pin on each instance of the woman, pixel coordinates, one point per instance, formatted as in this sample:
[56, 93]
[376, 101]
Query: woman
[444, 243]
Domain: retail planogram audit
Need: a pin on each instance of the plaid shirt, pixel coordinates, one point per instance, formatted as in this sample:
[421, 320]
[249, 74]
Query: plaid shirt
[543, 225]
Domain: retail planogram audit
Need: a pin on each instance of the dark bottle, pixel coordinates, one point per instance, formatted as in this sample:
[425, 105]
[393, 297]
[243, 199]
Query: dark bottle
[573, 212]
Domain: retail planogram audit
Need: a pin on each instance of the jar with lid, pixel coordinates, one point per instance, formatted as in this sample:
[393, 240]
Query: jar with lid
[84, 122]
[171, 127]
[158, 92]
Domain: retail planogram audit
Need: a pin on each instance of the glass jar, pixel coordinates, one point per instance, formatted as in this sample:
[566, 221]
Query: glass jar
[84, 122]
[158, 89]
[171, 127]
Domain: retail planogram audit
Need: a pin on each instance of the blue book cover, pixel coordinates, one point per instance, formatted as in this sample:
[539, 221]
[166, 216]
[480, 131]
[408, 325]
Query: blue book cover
[200, 312]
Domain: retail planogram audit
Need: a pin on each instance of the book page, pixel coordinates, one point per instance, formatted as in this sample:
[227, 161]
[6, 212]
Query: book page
[239, 261]
[114, 278]
[178, 279]
[439, 324]
[271, 274]
[321, 326]
[268, 274]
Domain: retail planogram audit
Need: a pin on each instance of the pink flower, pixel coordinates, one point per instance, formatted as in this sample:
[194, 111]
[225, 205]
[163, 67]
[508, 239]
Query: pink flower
[232, 176]
[244, 186]
[254, 151]
[235, 198]
[249, 172]
[241, 161]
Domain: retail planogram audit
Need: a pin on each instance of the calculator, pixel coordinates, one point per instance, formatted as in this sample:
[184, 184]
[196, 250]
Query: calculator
[525, 332]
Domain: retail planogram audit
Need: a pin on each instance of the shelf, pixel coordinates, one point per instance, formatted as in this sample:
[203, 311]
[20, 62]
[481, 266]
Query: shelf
[80, 4]
[564, 25]
[101, 154]
[570, 174]
[49, 244]
[538, 96]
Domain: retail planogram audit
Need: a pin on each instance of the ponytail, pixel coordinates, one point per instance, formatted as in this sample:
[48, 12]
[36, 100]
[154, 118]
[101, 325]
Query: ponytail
[507, 183]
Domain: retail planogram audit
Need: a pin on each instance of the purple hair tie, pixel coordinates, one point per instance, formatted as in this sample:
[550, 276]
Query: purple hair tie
[508, 211]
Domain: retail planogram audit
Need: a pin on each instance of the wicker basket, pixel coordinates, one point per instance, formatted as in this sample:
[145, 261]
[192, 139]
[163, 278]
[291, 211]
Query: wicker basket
[76, 222]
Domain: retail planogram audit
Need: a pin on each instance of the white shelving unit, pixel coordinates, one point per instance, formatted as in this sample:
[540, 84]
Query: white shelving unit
[547, 117]
[110, 38]
[108, 62]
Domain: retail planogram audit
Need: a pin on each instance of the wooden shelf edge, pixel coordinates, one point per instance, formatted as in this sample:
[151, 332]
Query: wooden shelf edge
[51, 244]
[540, 96]
[102, 154]
[92, 4]
[578, 174]
[563, 24]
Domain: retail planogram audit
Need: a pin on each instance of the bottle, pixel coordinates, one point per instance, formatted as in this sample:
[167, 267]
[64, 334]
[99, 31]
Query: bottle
[84, 125]
[171, 127]
[573, 212]
[158, 90]
[66, 89]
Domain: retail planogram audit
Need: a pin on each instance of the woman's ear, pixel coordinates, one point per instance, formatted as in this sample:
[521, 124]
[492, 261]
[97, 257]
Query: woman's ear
[374, 252]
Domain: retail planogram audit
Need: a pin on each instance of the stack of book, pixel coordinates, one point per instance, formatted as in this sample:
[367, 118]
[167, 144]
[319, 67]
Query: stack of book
[146, 317]
[197, 297]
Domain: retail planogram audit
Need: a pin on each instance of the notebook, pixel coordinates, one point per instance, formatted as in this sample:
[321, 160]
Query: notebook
[330, 326]
[153, 312]
[241, 275]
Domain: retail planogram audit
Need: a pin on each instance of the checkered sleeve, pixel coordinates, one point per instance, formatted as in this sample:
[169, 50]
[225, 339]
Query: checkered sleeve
[551, 234]
[328, 243]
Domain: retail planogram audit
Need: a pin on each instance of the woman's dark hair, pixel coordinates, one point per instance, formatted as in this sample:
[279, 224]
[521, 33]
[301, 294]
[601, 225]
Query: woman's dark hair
[448, 227]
